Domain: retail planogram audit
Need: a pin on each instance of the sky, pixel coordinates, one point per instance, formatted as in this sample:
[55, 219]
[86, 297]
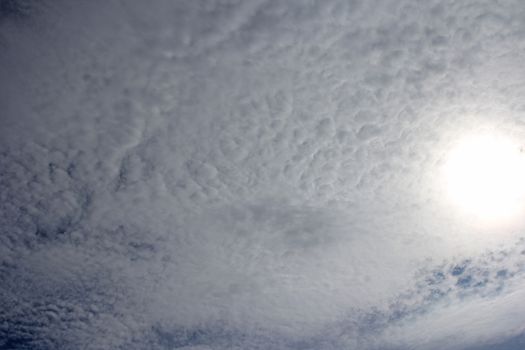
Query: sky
[226, 174]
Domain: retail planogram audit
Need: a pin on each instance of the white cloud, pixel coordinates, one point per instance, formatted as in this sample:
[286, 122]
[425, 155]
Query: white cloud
[253, 174]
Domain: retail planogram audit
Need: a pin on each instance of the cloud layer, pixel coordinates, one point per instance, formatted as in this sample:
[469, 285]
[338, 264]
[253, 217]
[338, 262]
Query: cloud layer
[253, 174]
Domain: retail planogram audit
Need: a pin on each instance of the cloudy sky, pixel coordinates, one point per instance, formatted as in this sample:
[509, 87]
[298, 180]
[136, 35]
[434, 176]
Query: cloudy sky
[224, 174]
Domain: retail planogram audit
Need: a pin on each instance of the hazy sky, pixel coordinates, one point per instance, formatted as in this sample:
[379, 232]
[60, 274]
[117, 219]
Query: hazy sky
[265, 175]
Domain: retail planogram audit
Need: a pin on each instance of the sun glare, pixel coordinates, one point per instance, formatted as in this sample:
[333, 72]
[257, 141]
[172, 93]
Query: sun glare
[486, 177]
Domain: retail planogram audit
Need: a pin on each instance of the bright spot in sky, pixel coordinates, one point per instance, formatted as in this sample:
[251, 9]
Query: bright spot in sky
[486, 177]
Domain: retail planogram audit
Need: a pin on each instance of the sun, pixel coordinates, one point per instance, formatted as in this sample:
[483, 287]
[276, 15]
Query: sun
[485, 176]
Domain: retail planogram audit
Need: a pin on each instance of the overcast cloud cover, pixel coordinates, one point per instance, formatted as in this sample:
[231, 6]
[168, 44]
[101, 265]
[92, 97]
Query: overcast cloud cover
[231, 174]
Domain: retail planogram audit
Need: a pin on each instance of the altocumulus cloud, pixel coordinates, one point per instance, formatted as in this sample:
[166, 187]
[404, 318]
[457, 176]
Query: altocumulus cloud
[253, 174]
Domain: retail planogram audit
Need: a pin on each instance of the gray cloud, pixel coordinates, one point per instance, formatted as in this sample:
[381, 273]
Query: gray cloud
[252, 175]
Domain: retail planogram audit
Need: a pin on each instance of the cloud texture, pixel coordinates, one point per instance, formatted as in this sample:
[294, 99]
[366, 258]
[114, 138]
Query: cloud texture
[253, 174]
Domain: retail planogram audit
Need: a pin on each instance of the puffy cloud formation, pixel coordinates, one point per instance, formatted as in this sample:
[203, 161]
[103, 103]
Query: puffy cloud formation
[253, 174]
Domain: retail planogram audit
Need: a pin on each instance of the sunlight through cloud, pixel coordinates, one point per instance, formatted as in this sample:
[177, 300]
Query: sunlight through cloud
[485, 177]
